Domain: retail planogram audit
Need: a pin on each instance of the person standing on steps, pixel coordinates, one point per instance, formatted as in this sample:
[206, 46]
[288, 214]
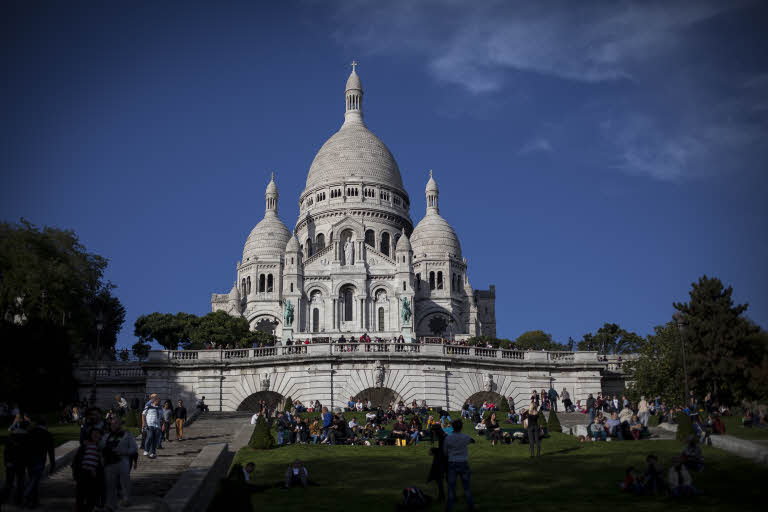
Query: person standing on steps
[152, 420]
[180, 413]
[455, 449]
[40, 446]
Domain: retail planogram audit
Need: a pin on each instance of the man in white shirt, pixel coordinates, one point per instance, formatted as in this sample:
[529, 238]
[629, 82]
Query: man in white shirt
[455, 449]
[254, 418]
[359, 405]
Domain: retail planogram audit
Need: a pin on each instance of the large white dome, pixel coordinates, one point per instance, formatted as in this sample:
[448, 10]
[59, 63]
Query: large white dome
[354, 152]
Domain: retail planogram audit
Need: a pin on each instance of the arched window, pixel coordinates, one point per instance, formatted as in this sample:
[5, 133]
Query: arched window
[315, 320]
[291, 286]
[347, 295]
[309, 247]
[418, 281]
[403, 285]
[385, 243]
[261, 283]
[249, 285]
[439, 280]
[381, 319]
[243, 286]
[431, 280]
[319, 242]
[270, 283]
[370, 238]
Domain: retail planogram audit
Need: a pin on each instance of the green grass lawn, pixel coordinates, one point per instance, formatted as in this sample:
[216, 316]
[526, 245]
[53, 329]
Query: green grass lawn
[734, 428]
[569, 476]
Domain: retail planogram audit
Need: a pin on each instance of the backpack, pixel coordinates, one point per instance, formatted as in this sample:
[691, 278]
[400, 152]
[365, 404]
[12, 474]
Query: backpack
[415, 499]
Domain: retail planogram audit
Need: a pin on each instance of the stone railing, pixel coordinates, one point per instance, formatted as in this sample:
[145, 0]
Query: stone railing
[355, 349]
[110, 370]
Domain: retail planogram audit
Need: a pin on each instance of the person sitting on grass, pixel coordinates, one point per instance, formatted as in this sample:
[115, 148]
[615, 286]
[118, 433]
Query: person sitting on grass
[632, 482]
[414, 430]
[296, 474]
[680, 481]
[691, 455]
[494, 429]
[597, 431]
[635, 427]
[653, 480]
[400, 431]
[625, 416]
[614, 427]
[315, 432]
[481, 428]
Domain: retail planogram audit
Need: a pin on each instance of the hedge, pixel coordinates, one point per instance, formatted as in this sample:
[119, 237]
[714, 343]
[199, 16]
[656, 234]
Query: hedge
[684, 427]
[261, 438]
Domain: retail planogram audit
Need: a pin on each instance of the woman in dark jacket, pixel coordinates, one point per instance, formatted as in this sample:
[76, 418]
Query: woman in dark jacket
[494, 430]
[533, 429]
[439, 460]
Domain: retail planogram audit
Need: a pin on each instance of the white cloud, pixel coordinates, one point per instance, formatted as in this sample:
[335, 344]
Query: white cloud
[535, 145]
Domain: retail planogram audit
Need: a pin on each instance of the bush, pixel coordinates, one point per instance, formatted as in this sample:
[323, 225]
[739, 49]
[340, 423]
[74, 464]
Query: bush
[132, 418]
[684, 427]
[553, 425]
[288, 404]
[261, 438]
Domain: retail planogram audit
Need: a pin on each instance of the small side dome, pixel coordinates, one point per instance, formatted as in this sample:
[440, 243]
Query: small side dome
[234, 293]
[433, 237]
[404, 244]
[267, 239]
[293, 245]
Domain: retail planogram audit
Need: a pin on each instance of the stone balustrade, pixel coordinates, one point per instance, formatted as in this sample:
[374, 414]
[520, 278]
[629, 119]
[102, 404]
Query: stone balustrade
[356, 350]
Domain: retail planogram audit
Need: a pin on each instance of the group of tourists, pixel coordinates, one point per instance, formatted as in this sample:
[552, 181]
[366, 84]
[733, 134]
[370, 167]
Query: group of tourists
[677, 482]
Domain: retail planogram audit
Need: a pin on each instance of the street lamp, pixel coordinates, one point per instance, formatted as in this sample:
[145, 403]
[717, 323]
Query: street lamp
[681, 324]
[99, 328]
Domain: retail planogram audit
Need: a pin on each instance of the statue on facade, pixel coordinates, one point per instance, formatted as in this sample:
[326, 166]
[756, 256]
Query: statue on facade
[288, 315]
[381, 374]
[265, 383]
[348, 247]
[488, 382]
[405, 310]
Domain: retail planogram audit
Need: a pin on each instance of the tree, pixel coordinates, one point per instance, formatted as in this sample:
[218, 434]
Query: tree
[220, 328]
[192, 332]
[537, 340]
[611, 339]
[659, 368]
[718, 350]
[52, 297]
[169, 331]
[261, 438]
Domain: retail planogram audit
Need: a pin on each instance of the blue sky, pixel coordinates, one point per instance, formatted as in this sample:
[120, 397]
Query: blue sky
[595, 158]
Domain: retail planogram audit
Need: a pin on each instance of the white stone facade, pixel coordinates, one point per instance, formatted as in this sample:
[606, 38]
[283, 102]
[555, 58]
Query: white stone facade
[356, 254]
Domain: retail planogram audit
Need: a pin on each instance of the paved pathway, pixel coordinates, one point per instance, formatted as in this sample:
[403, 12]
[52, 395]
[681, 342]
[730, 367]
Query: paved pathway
[154, 477]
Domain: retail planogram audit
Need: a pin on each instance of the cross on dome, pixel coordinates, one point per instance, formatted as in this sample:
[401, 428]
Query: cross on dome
[354, 63]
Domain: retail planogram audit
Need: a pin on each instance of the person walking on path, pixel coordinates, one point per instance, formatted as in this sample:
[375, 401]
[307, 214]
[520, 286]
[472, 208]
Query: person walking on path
[643, 411]
[40, 446]
[455, 450]
[88, 471]
[16, 447]
[151, 420]
[553, 396]
[180, 413]
[120, 452]
[167, 420]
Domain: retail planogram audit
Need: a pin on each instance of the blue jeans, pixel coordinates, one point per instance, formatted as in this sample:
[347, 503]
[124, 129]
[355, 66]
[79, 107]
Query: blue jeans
[35, 473]
[153, 440]
[458, 469]
[315, 439]
[279, 438]
[415, 437]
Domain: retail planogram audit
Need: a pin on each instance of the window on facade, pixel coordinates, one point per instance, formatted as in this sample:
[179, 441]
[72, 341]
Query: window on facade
[270, 283]
[291, 260]
[385, 243]
[418, 281]
[315, 320]
[291, 286]
[243, 286]
[381, 319]
[370, 238]
[262, 283]
[319, 242]
[431, 280]
[439, 280]
[403, 285]
[348, 304]
[309, 247]
[249, 285]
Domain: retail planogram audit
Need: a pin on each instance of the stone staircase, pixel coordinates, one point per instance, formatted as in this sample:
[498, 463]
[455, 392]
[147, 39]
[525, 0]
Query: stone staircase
[154, 477]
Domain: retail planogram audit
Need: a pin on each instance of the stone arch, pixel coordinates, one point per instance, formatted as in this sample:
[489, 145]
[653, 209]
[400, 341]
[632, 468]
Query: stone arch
[454, 324]
[252, 402]
[379, 397]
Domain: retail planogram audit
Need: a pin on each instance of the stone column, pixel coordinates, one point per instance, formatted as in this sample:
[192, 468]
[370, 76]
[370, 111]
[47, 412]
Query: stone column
[362, 313]
[335, 313]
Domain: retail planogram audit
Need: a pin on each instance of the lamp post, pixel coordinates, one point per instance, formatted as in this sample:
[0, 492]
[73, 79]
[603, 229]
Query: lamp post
[99, 328]
[681, 323]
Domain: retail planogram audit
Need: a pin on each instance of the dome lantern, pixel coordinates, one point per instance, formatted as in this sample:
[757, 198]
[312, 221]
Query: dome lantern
[271, 196]
[432, 193]
[354, 97]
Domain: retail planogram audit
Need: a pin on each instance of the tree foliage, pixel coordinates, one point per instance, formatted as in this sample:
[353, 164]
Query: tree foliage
[52, 299]
[611, 339]
[192, 332]
[723, 348]
[261, 438]
[659, 368]
[537, 340]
